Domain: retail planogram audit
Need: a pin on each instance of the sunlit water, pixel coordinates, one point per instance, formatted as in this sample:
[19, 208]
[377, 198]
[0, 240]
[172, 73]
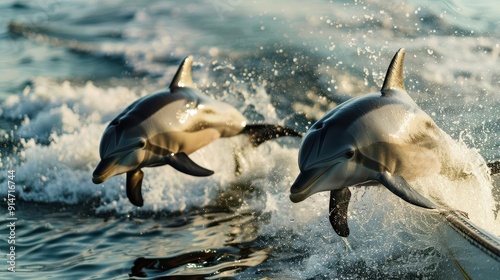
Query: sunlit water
[67, 68]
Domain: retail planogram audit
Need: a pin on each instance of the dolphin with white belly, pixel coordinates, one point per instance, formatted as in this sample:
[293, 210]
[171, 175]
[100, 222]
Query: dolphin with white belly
[380, 137]
[165, 127]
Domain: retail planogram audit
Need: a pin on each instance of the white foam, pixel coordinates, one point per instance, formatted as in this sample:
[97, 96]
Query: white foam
[67, 123]
[470, 190]
[383, 230]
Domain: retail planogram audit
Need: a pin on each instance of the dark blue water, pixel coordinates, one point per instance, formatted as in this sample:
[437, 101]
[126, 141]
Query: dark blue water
[68, 67]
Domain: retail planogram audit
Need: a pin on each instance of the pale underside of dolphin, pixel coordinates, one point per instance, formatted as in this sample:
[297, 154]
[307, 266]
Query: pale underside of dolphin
[165, 127]
[382, 137]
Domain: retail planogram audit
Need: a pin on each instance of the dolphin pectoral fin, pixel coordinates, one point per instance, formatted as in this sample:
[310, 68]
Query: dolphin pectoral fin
[339, 202]
[260, 133]
[134, 186]
[399, 186]
[184, 164]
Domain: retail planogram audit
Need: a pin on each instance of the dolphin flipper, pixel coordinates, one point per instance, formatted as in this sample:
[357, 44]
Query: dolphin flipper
[339, 201]
[134, 185]
[184, 164]
[260, 133]
[401, 188]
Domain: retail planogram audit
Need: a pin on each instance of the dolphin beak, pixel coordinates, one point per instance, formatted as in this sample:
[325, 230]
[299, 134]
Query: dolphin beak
[302, 188]
[116, 163]
[106, 168]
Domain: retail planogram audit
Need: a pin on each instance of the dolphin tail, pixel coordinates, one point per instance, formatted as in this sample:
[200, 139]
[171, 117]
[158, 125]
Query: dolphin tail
[134, 185]
[260, 133]
[339, 202]
[184, 164]
[401, 188]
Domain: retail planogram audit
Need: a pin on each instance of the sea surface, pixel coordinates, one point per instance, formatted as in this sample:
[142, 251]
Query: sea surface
[67, 68]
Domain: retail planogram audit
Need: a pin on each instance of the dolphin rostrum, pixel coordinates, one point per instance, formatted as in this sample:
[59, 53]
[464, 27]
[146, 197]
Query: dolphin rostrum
[380, 137]
[165, 127]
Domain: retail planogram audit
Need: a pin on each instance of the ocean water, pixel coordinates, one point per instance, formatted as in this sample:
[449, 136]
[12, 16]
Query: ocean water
[67, 68]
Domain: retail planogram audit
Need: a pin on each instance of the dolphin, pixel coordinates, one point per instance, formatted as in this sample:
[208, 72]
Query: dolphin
[165, 127]
[381, 137]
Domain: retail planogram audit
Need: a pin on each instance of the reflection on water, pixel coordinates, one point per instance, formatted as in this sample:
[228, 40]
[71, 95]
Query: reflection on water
[200, 244]
[200, 264]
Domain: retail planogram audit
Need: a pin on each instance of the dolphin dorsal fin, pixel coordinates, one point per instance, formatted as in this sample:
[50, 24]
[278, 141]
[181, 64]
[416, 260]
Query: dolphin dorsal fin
[394, 77]
[183, 76]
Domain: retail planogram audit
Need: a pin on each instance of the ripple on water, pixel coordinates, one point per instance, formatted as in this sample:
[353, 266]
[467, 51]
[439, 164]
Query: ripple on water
[69, 245]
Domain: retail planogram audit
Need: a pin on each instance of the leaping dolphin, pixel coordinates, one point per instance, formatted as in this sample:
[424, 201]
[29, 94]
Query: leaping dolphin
[383, 137]
[165, 127]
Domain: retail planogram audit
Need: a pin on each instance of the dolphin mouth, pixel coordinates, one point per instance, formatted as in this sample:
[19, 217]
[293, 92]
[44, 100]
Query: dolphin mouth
[98, 180]
[102, 172]
[301, 188]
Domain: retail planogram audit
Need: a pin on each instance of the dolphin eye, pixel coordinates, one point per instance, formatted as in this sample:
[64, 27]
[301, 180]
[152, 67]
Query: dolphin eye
[115, 122]
[349, 154]
[142, 143]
